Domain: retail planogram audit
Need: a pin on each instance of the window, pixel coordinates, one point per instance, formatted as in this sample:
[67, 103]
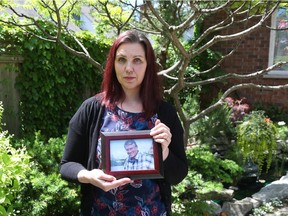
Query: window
[278, 50]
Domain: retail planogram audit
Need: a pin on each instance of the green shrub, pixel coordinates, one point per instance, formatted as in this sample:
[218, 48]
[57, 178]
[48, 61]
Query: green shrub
[46, 193]
[46, 154]
[267, 207]
[190, 208]
[215, 128]
[256, 137]
[52, 82]
[275, 113]
[206, 173]
[14, 165]
[212, 168]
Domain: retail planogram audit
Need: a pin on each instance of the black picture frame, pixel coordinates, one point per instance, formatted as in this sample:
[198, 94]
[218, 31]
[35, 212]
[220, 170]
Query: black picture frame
[115, 157]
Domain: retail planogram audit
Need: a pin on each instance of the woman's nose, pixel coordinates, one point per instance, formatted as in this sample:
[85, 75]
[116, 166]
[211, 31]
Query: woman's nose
[129, 67]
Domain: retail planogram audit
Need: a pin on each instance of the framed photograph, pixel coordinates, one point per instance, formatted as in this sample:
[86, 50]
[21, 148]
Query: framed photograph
[132, 154]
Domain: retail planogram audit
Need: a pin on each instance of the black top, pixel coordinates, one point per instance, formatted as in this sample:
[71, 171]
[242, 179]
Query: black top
[81, 144]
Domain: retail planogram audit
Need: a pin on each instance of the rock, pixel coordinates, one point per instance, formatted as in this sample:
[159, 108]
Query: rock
[214, 208]
[240, 207]
[232, 207]
[250, 170]
[225, 195]
[277, 189]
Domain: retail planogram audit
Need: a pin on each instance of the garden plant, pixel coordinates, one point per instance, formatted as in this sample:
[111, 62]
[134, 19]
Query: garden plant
[256, 137]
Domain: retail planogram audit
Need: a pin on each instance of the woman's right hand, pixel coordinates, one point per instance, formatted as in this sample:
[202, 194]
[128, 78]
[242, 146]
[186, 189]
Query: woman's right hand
[99, 179]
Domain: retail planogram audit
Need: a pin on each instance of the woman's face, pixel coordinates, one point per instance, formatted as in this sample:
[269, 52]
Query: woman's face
[130, 66]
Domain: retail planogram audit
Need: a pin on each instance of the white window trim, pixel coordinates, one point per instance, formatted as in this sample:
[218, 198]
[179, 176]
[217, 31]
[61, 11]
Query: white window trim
[274, 73]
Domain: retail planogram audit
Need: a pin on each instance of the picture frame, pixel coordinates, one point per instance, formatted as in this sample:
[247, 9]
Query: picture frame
[117, 155]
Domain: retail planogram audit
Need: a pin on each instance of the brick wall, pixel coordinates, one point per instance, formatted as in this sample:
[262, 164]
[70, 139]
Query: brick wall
[251, 56]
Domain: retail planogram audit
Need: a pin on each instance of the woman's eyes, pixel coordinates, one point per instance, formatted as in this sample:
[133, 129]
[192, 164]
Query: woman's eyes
[123, 60]
[137, 60]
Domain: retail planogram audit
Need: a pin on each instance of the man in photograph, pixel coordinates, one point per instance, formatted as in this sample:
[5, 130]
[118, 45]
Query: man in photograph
[137, 160]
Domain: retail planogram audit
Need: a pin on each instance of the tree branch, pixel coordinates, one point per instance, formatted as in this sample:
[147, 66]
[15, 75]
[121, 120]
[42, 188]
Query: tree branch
[234, 75]
[221, 101]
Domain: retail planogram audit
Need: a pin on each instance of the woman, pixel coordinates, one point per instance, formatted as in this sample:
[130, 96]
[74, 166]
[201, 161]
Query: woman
[131, 99]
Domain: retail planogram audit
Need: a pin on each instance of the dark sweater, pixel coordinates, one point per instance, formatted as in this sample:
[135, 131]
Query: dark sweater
[81, 147]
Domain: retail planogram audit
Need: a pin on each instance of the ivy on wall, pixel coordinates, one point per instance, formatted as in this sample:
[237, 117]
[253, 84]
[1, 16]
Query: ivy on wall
[52, 83]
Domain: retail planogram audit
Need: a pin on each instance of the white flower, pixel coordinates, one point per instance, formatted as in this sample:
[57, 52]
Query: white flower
[281, 123]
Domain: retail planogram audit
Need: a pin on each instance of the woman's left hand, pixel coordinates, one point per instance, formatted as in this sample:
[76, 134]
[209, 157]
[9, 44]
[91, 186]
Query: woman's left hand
[161, 134]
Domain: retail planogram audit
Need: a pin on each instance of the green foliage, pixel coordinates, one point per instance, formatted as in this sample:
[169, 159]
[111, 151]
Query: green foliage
[105, 11]
[190, 207]
[67, 10]
[256, 136]
[46, 193]
[30, 182]
[275, 113]
[282, 129]
[215, 128]
[14, 165]
[268, 207]
[206, 173]
[184, 194]
[52, 83]
[278, 165]
[47, 154]
[212, 168]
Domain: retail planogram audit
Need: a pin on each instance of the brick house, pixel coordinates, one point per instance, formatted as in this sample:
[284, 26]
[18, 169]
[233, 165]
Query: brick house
[255, 52]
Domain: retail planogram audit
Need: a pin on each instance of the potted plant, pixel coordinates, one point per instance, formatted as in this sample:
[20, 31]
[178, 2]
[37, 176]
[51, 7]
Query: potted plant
[256, 137]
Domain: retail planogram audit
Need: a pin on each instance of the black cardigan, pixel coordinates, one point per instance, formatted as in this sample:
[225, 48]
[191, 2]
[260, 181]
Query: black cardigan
[81, 147]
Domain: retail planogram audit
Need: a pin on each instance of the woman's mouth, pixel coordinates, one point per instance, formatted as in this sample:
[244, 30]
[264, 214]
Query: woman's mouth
[129, 78]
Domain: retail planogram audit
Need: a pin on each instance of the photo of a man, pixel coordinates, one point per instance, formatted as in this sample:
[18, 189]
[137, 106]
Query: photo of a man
[137, 160]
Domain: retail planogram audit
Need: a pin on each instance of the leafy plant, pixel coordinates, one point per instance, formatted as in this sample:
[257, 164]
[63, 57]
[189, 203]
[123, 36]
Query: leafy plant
[190, 207]
[282, 129]
[206, 173]
[275, 113]
[268, 207]
[45, 188]
[185, 201]
[14, 165]
[52, 83]
[47, 194]
[215, 128]
[211, 167]
[239, 108]
[256, 137]
[47, 154]
[282, 149]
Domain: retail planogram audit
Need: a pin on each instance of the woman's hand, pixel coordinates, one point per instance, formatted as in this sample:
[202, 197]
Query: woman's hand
[99, 179]
[161, 134]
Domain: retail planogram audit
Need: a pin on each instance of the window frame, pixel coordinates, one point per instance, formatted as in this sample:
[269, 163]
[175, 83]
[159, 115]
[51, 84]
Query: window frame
[274, 73]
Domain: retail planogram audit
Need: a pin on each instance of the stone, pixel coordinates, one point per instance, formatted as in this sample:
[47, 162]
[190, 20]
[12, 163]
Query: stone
[237, 207]
[214, 208]
[277, 189]
[225, 195]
